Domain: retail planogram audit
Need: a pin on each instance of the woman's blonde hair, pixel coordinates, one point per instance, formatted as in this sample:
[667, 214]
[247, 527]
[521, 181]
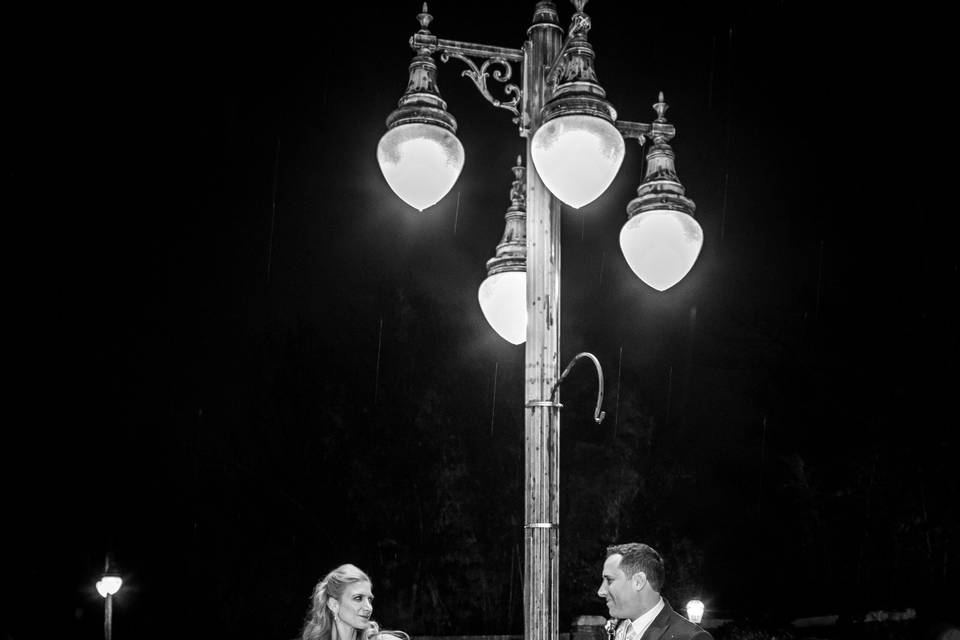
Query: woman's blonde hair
[320, 622]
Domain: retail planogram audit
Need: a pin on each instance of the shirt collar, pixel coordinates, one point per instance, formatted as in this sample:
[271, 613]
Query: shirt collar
[641, 624]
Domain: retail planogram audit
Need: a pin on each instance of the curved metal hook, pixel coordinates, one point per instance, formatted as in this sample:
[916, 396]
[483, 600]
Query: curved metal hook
[598, 415]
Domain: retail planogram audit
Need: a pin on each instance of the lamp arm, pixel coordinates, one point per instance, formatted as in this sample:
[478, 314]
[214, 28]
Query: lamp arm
[636, 130]
[642, 131]
[553, 73]
[598, 415]
[432, 44]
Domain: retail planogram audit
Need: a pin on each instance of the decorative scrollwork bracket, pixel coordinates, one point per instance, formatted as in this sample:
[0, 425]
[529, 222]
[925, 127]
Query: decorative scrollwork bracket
[426, 43]
[480, 74]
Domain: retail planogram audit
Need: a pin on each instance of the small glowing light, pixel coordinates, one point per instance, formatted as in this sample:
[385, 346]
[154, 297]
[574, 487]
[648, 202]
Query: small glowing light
[109, 585]
[661, 246]
[421, 162]
[503, 300]
[695, 611]
[578, 157]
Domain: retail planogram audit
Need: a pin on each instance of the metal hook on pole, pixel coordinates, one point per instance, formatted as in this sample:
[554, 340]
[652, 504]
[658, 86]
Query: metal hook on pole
[598, 415]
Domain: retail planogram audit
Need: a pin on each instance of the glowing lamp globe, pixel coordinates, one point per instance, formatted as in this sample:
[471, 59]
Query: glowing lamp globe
[109, 585]
[577, 156]
[503, 300]
[420, 162]
[661, 246]
[695, 611]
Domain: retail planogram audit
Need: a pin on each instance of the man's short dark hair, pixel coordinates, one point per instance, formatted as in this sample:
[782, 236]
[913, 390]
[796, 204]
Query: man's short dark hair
[640, 557]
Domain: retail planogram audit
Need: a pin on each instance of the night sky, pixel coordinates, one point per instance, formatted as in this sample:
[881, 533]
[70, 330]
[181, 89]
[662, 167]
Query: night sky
[242, 361]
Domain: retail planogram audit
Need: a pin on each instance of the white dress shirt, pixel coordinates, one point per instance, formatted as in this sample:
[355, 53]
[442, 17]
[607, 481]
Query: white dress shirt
[639, 626]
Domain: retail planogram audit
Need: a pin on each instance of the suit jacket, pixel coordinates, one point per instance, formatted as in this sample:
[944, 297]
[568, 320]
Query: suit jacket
[670, 625]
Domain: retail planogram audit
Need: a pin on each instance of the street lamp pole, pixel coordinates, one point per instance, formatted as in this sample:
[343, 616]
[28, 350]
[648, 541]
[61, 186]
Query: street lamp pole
[574, 148]
[108, 617]
[541, 361]
[107, 586]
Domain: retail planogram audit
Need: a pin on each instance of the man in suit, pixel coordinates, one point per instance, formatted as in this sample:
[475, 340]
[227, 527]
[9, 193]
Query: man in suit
[632, 579]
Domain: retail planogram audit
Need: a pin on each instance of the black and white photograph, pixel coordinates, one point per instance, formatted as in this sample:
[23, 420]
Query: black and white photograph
[499, 320]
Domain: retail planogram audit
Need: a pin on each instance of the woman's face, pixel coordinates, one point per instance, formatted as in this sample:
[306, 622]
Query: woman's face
[355, 606]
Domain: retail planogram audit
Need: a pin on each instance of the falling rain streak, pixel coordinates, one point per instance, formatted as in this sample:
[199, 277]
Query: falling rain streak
[376, 380]
[816, 309]
[273, 209]
[493, 403]
[616, 419]
[456, 215]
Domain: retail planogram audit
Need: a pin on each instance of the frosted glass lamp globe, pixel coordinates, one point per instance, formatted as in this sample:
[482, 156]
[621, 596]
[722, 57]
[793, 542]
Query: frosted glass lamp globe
[503, 300]
[661, 246]
[577, 156]
[420, 162]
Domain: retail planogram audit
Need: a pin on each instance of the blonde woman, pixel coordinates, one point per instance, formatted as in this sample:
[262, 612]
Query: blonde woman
[341, 606]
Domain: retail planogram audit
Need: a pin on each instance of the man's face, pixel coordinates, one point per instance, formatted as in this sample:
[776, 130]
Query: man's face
[619, 590]
[355, 605]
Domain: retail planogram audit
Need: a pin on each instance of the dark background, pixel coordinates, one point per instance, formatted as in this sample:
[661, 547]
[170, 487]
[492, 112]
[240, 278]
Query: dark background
[242, 361]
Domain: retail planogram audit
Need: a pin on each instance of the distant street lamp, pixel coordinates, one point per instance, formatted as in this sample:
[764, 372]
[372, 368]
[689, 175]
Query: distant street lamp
[575, 146]
[107, 587]
[695, 611]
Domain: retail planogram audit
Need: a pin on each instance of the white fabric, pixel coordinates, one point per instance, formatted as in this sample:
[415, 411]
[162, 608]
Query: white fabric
[636, 628]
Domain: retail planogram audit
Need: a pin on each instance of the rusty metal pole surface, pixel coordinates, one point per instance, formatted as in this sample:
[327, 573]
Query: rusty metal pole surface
[108, 617]
[541, 413]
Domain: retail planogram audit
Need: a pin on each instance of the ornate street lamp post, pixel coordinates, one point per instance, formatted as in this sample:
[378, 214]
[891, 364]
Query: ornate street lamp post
[575, 145]
[107, 587]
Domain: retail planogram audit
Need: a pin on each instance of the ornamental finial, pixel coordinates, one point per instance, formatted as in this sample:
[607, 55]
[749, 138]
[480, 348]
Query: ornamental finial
[580, 22]
[661, 108]
[512, 250]
[424, 18]
[518, 195]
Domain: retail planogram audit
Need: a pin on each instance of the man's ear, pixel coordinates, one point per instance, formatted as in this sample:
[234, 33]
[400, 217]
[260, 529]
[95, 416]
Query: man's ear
[639, 579]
